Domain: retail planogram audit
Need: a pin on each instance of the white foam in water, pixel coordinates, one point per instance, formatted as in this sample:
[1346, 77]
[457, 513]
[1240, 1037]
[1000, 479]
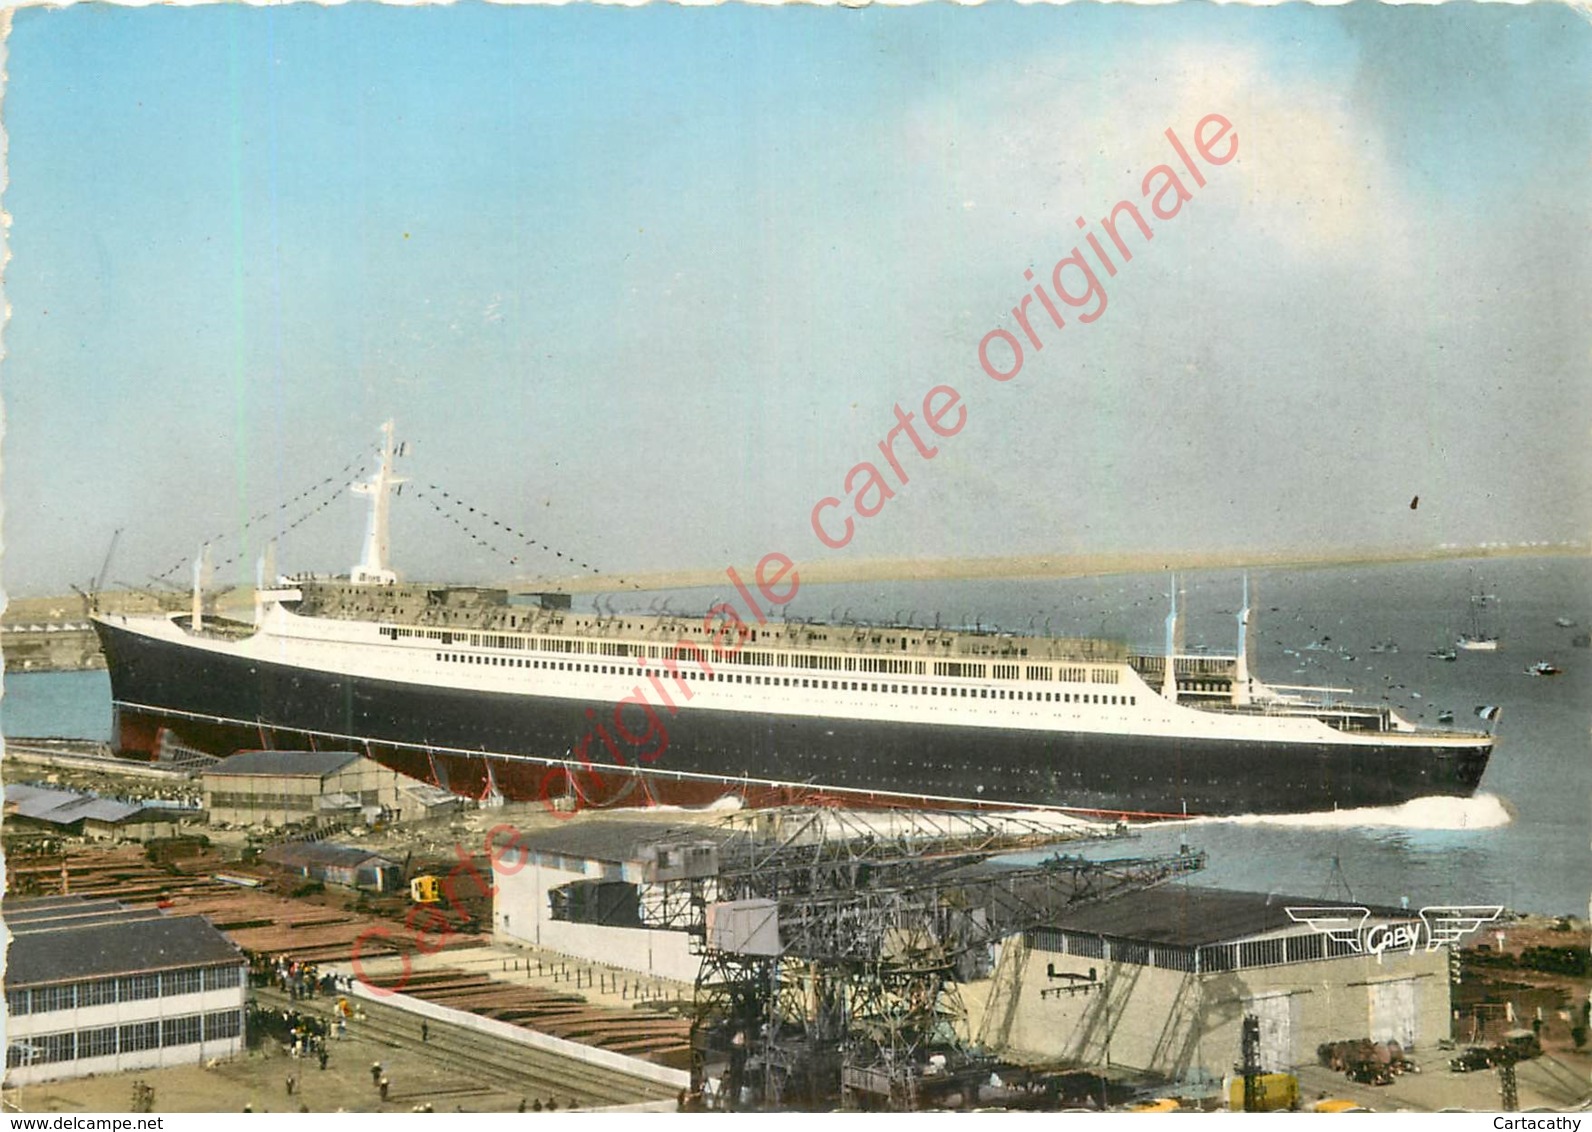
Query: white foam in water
[725, 803]
[1484, 811]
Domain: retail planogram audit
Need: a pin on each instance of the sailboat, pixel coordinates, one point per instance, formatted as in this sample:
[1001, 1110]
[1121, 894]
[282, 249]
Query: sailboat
[1478, 638]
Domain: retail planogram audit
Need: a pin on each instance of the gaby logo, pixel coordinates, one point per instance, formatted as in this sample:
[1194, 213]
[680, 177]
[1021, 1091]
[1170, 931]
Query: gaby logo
[1392, 937]
[1444, 923]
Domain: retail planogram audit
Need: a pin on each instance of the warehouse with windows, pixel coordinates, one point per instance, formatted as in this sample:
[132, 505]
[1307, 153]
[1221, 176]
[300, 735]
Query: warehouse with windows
[96, 986]
[291, 787]
[336, 864]
[1161, 980]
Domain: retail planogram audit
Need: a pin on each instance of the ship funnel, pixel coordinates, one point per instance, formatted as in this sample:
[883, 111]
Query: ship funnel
[372, 569]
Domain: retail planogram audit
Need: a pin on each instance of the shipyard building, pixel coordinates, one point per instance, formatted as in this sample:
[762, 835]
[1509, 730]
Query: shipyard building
[344, 865]
[294, 787]
[577, 888]
[96, 986]
[1160, 981]
[86, 815]
[1154, 982]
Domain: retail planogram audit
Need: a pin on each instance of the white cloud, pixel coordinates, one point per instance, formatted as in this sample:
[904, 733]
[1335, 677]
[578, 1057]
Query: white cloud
[1053, 142]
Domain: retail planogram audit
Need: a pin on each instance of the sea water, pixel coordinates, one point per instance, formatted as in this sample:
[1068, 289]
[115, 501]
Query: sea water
[1525, 839]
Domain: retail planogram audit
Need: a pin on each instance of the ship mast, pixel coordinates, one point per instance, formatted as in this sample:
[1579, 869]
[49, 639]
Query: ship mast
[1174, 631]
[372, 569]
[264, 580]
[1241, 671]
[202, 571]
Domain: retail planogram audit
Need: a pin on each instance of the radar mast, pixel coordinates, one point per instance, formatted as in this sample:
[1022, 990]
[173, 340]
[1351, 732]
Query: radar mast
[372, 569]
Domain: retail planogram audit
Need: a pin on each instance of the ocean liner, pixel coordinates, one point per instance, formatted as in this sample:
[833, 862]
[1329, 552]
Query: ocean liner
[526, 698]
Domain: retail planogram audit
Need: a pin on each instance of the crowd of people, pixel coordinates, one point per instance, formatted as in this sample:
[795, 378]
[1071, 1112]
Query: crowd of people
[295, 979]
[305, 1034]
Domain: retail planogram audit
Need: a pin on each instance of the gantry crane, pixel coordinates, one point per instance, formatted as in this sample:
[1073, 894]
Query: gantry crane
[832, 942]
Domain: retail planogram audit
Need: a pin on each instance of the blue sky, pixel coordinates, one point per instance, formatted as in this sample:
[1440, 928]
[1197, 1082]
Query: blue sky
[648, 282]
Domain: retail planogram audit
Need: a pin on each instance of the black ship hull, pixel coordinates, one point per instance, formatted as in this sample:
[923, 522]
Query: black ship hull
[525, 748]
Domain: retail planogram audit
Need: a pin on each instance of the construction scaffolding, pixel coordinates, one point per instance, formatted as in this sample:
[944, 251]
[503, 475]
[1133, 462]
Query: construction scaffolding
[832, 943]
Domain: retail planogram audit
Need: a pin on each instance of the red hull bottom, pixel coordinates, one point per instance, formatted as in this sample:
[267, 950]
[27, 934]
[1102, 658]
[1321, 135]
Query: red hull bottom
[564, 790]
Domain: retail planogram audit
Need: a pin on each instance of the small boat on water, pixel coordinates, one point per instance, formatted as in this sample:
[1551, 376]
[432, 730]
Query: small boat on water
[1544, 668]
[1445, 716]
[1385, 646]
[1442, 654]
[1479, 637]
[1564, 622]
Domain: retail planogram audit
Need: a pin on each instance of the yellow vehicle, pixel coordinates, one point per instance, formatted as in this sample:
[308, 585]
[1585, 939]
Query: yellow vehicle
[1338, 1105]
[1278, 1091]
[425, 890]
[1165, 1104]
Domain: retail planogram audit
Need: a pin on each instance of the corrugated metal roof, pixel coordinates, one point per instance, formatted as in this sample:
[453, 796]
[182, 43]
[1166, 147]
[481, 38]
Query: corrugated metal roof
[117, 812]
[99, 809]
[283, 764]
[21, 911]
[63, 807]
[120, 946]
[301, 853]
[116, 914]
[39, 809]
[425, 793]
[77, 808]
[612, 842]
[1192, 916]
[40, 903]
[33, 801]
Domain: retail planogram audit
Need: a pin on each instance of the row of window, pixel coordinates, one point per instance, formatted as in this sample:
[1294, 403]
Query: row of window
[799, 682]
[558, 644]
[959, 668]
[299, 803]
[766, 659]
[799, 660]
[889, 667]
[424, 634]
[108, 1041]
[687, 651]
[227, 799]
[127, 988]
[1245, 955]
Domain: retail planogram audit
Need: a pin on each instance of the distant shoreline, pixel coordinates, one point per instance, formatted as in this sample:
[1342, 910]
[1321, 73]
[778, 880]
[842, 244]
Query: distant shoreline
[821, 572]
[831, 572]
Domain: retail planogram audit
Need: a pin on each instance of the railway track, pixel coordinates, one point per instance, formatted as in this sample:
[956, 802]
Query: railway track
[506, 1067]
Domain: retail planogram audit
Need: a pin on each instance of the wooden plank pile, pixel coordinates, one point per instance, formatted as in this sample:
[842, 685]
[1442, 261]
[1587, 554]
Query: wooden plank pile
[640, 1032]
